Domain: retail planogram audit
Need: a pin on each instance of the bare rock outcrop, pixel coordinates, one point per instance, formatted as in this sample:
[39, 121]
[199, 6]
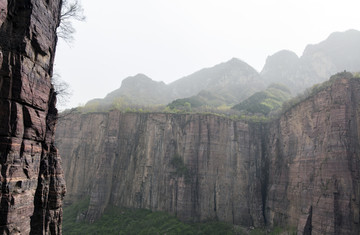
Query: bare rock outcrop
[301, 170]
[198, 167]
[31, 179]
[314, 169]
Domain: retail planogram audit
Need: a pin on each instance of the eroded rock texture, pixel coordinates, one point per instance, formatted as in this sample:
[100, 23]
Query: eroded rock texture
[31, 179]
[128, 160]
[299, 171]
[314, 168]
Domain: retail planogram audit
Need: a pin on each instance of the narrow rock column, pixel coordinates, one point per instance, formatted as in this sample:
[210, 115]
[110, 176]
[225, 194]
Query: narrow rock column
[31, 178]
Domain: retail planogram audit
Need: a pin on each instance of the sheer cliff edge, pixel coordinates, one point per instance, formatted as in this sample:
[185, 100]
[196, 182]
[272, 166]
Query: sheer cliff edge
[301, 170]
[31, 179]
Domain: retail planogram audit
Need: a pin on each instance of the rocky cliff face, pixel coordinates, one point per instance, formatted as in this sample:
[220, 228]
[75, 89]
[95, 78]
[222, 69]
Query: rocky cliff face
[31, 179]
[198, 167]
[301, 170]
[313, 153]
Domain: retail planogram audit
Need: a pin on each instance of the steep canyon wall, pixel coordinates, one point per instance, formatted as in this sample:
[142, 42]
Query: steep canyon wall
[314, 169]
[195, 166]
[301, 170]
[31, 179]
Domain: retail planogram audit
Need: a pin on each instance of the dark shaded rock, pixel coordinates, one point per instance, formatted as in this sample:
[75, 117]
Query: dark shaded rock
[32, 184]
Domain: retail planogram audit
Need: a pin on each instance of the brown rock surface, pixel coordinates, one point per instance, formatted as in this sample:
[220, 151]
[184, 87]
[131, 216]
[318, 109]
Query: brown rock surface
[31, 179]
[126, 160]
[314, 168]
[301, 170]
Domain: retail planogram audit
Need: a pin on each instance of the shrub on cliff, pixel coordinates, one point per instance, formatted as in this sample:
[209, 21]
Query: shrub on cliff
[315, 89]
[181, 169]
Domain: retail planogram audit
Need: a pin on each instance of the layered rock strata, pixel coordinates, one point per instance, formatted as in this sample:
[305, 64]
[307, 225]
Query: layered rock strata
[314, 164]
[301, 170]
[199, 167]
[31, 179]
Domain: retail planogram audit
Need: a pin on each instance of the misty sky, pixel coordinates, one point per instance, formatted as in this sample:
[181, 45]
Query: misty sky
[169, 39]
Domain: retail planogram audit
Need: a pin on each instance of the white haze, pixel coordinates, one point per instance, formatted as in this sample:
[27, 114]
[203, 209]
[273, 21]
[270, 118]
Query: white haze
[167, 40]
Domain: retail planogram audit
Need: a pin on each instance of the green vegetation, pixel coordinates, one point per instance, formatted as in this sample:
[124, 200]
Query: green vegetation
[316, 89]
[204, 98]
[117, 220]
[181, 169]
[266, 101]
[136, 221]
[70, 216]
[261, 107]
[274, 231]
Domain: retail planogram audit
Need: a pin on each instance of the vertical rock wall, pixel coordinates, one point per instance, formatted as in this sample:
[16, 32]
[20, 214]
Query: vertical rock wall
[315, 163]
[198, 167]
[300, 171]
[31, 179]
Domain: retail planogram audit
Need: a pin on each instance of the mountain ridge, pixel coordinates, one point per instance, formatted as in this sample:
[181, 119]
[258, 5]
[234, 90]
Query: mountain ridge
[338, 52]
[234, 80]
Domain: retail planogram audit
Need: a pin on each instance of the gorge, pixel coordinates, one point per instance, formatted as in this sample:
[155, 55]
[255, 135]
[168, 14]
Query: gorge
[300, 169]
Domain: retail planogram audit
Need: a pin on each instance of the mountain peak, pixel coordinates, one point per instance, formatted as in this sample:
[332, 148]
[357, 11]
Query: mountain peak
[236, 62]
[138, 77]
[337, 43]
[346, 34]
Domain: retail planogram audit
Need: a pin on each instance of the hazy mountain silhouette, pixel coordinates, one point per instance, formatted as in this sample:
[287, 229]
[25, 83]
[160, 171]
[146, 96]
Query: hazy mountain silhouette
[233, 81]
[140, 89]
[339, 52]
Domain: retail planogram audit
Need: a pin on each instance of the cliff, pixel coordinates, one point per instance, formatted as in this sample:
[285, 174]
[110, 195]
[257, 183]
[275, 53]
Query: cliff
[301, 170]
[31, 179]
[194, 166]
[313, 153]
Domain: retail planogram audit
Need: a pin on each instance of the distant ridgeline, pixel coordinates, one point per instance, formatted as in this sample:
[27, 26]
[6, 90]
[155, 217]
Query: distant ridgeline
[235, 84]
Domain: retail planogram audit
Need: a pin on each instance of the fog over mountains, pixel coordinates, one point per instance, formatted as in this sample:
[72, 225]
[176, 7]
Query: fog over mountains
[234, 81]
[339, 52]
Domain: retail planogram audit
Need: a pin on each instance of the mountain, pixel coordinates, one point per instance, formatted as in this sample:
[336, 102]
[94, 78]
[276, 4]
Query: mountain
[339, 52]
[299, 171]
[140, 89]
[266, 101]
[233, 80]
[285, 67]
